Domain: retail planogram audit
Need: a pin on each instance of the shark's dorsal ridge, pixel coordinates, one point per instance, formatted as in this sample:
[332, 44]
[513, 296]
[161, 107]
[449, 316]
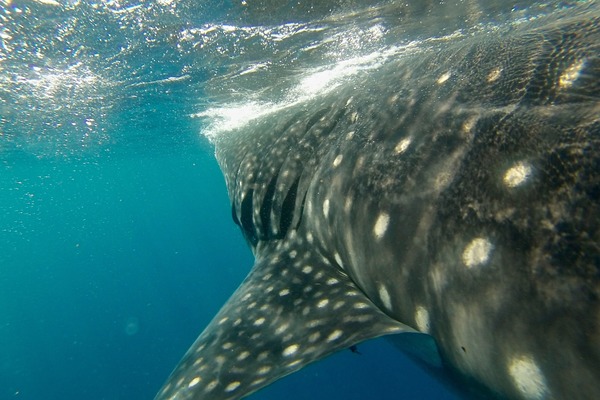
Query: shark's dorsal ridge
[295, 307]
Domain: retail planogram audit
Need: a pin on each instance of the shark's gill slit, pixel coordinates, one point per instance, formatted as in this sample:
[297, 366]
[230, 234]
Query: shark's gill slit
[287, 208]
[301, 210]
[315, 118]
[334, 121]
[265, 209]
[234, 215]
[246, 218]
[288, 124]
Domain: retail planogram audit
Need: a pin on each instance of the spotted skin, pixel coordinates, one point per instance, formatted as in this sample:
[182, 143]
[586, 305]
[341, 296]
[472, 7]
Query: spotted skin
[451, 192]
[288, 312]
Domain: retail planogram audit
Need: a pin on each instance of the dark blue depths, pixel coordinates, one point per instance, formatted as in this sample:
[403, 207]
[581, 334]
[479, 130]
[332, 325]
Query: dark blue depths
[110, 268]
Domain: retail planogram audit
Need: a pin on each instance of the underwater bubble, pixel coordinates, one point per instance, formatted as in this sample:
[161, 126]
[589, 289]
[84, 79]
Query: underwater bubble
[132, 326]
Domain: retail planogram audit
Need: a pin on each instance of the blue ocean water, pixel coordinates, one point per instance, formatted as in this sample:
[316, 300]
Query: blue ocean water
[116, 240]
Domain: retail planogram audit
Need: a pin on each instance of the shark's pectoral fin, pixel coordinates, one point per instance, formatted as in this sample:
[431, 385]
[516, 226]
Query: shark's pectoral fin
[294, 308]
[420, 347]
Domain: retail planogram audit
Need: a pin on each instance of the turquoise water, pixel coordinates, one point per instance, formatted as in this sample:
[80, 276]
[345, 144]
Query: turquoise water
[111, 266]
[116, 241]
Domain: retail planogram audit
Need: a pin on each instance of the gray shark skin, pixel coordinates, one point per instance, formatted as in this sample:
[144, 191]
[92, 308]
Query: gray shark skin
[449, 197]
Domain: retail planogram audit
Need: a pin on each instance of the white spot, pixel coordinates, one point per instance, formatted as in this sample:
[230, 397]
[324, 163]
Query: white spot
[314, 323]
[381, 225]
[165, 388]
[259, 380]
[282, 328]
[194, 382]
[293, 254]
[477, 252]
[350, 134]
[422, 319]
[322, 303]
[284, 292]
[348, 204]
[211, 385]
[200, 348]
[494, 75]
[309, 237]
[223, 320]
[571, 74]
[443, 78]
[339, 304]
[314, 337]
[243, 355]
[359, 163]
[438, 278]
[469, 124]
[337, 160]
[361, 306]
[264, 370]
[326, 208]
[290, 350]
[441, 180]
[385, 297]
[402, 145]
[358, 318]
[267, 277]
[527, 377]
[307, 269]
[332, 281]
[294, 363]
[334, 335]
[227, 346]
[259, 321]
[232, 386]
[517, 174]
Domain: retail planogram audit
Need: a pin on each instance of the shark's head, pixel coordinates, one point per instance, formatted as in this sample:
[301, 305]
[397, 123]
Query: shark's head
[298, 304]
[449, 195]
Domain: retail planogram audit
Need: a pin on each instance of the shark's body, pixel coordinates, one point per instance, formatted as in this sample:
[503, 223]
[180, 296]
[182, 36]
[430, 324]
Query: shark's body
[452, 194]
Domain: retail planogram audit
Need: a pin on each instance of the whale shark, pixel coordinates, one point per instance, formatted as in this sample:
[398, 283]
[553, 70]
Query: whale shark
[447, 198]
